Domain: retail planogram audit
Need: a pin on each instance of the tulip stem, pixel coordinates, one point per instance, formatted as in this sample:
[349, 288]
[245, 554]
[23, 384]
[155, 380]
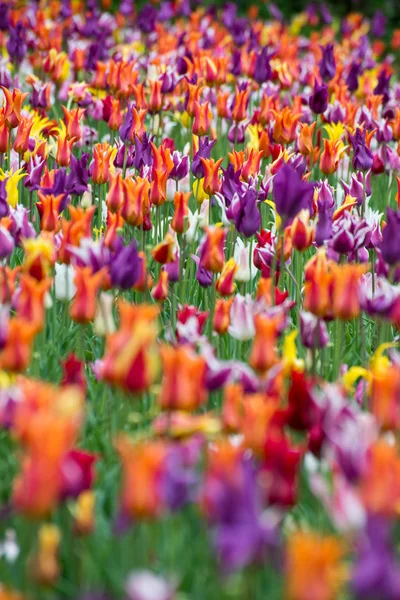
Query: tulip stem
[173, 310]
[182, 247]
[273, 272]
[99, 209]
[213, 292]
[339, 325]
[125, 161]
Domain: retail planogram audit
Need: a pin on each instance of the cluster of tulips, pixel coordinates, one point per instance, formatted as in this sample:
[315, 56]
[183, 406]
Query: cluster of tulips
[199, 303]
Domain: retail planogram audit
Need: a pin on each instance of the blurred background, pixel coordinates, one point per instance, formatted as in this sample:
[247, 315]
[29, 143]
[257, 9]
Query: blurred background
[339, 8]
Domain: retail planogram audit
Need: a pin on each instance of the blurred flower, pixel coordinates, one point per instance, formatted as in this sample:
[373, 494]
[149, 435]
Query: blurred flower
[145, 585]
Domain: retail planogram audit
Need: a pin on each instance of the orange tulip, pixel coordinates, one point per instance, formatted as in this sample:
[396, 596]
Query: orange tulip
[314, 562]
[83, 307]
[4, 132]
[263, 354]
[49, 211]
[212, 251]
[30, 300]
[136, 202]
[158, 190]
[221, 320]
[160, 291]
[16, 354]
[202, 118]
[183, 382]
[305, 139]
[64, 149]
[164, 252]
[142, 463]
[232, 407]
[300, 231]
[258, 412]
[211, 183]
[239, 110]
[131, 356]
[115, 194]
[13, 105]
[155, 99]
[21, 142]
[73, 118]
[180, 221]
[318, 285]
[101, 159]
[225, 284]
[345, 297]
[331, 155]
[251, 165]
[78, 227]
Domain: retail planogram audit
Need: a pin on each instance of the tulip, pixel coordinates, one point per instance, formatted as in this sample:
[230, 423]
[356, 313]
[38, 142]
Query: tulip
[131, 358]
[183, 382]
[83, 307]
[314, 562]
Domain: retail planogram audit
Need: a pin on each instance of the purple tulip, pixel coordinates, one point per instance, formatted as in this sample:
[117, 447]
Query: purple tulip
[376, 573]
[172, 269]
[236, 64]
[4, 16]
[378, 24]
[126, 267]
[181, 166]
[16, 45]
[204, 151]
[66, 9]
[204, 277]
[21, 227]
[179, 480]
[166, 11]
[238, 31]
[236, 133]
[262, 68]
[378, 297]
[126, 8]
[143, 153]
[313, 331]
[6, 243]
[231, 184]
[325, 14]
[275, 12]
[362, 155]
[390, 246]
[39, 95]
[246, 214]
[59, 183]
[352, 76]
[126, 127]
[241, 536]
[229, 14]
[169, 81]
[290, 193]
[147, 18]
[4, 205]
[327, 65]
[382, 87]
[318, 100]
[120, 156]
[356, 188]
[323, 229]
[78, 177]
[336, 113]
